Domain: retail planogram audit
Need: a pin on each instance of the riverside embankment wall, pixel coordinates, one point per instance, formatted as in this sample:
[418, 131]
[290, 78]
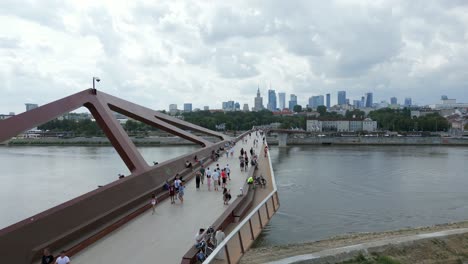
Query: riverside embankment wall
[437, 141]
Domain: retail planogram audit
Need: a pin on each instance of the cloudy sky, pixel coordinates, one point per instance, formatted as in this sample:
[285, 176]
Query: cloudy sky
[159, 52]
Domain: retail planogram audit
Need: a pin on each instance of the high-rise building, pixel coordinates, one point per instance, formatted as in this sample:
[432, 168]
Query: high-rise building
[236, 106]
[369, 100]
[357, 103]
[363, 101]
[187, 107]
[316, 101]
[393, 101]
[328, 100]
[245, 108]
[292, 101]
[229, 106]
[30, 107]
[258, 105]
[206, 108]
[271, 100]
[408, 101]
[341, 97]
[282, 100]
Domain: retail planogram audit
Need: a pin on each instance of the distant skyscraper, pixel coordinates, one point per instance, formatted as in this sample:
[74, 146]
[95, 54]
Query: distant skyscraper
[258, 101]
[30, 107]
[357, 103]
[341, 97]
[282, 100]
[187, 107]
[316, 101]
[328, 100]
[229, 106]
[363, 101]
[369, 99]
[236, 106]
[271, 100]
[393, 101]
[206, 108]
[292, 101]
[245, 108]
[408, 101]
[444, 97]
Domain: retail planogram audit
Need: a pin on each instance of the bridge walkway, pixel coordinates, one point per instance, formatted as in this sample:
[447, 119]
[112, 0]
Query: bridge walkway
[165, 236]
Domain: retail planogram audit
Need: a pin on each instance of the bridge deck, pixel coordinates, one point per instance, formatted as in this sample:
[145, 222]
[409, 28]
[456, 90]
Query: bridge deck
[165, 236]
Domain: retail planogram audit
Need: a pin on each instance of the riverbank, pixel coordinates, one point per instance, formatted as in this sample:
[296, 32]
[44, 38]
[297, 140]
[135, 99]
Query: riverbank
[377, 141]
[100, 141]
[398, 245]
[291, 140]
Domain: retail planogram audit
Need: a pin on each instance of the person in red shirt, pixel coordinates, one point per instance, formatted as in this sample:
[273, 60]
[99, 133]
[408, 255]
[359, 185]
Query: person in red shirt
[223, 178]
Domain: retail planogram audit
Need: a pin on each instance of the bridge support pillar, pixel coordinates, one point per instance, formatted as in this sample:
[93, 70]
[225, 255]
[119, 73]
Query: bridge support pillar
[282, 140]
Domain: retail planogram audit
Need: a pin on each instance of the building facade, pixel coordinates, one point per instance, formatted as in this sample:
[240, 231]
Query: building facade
[258, 102]
[369, 100]
[314, 125]
[271, 100]
[281, 101]
[187, 107]
[292, 102]
[328, 101]
[341, 97]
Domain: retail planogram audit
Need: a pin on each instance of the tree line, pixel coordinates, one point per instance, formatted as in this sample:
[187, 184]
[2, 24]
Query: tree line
[387, 119]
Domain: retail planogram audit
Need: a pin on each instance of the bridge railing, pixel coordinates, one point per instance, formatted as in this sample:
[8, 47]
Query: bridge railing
[233, 247]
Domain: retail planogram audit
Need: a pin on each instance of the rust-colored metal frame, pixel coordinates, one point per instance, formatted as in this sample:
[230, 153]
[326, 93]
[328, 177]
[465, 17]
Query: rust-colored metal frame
[65, 223]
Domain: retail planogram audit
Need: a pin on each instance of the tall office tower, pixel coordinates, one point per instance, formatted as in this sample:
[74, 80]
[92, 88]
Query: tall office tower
[271, 100]
[363, 101]
[282, 100]
[206, 108]
[316, 101]
[188, 107]
[236, 106]
[258, 104]
[245, 108]
[292, 101]
[328, 100]
[408, 101]
[393, 101]
[369, 100]
[31, 106]
[444, 97]
[341, 97]
[357, 103]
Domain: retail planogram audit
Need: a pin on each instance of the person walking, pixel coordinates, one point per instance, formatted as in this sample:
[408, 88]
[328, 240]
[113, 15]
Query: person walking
[251, 152]
[172, 193]
[223, 178]
[47, 258]
[228, 171]
[232, 152]
[177, 183]
[208, 178]
[181, 192]
[202, 172]
[215, 176]
[266, 150]
[197, 179]
[153, 203]
[62, 259]
[242, 151]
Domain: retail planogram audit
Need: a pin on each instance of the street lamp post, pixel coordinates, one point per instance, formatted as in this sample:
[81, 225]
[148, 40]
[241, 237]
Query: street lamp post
[95, 79]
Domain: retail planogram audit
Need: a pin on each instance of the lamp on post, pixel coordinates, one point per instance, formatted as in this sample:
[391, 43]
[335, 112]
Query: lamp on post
[95, 79]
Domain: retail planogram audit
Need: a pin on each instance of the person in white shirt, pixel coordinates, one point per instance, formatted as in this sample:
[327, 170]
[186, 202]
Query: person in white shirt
[62, 259]
[208, 178]
[228, 171]
[215, 176]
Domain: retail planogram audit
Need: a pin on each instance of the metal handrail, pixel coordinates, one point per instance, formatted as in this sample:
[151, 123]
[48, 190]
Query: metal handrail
[234, 232]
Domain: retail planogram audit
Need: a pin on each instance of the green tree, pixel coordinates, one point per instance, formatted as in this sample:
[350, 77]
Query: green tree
[322, 110]
[297, 108]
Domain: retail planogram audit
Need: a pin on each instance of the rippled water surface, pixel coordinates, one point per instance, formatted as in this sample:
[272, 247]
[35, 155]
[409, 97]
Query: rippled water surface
[33, 179]
[324, 191]
[327, 191]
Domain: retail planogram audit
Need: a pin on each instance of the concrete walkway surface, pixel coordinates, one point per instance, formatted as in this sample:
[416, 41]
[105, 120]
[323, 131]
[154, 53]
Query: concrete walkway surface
[167, 235]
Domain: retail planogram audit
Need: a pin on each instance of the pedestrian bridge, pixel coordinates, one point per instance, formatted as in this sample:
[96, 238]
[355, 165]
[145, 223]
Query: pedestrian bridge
[114, 224]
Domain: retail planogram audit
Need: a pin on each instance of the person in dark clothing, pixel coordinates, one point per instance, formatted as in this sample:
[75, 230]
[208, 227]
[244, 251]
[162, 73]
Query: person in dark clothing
[251, 151]
[47, 258]
[242, 151]
[198, 179]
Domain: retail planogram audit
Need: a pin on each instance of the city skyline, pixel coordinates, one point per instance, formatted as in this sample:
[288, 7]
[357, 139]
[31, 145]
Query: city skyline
[206, 53]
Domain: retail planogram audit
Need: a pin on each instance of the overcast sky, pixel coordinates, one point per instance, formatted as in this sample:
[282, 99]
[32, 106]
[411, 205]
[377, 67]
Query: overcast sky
[159, 52]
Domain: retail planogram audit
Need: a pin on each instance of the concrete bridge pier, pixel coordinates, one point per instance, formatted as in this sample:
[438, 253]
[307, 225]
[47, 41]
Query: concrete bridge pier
[282, 140]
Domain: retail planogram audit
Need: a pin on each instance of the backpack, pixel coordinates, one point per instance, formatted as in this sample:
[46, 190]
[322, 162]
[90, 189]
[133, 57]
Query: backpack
[201, 256]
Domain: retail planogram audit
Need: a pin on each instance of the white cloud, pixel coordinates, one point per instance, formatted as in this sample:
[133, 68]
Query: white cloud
[167, 52]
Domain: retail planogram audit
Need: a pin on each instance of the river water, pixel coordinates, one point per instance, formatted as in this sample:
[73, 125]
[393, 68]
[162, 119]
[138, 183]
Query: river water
[324, 190]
